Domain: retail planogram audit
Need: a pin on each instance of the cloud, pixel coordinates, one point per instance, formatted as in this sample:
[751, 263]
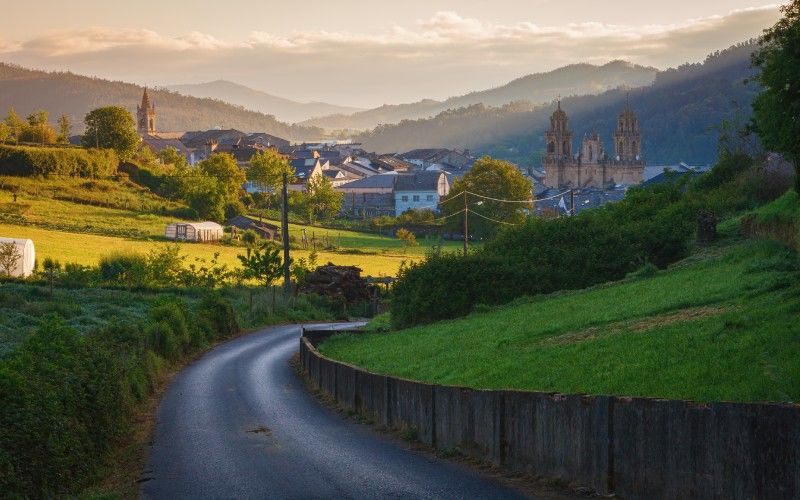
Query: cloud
[439, 56]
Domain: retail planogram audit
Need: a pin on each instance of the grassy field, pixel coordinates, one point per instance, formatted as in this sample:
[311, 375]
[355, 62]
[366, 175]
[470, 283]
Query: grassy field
[721, 325]
[87, 249]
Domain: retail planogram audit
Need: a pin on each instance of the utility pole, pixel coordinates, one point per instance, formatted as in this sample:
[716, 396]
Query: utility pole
[572, 201]
[466, 225]
[285, 233]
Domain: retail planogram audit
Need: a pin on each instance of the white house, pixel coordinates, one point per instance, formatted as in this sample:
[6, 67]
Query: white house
[194, 231]
[26, 257]
[420, 190]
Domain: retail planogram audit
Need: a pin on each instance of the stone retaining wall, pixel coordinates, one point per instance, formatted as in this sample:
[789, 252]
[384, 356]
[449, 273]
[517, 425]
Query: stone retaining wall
[633, 447]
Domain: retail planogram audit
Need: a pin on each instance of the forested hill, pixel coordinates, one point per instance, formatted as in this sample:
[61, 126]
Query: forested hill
[29, 90]
[677, 114]
[575, 79]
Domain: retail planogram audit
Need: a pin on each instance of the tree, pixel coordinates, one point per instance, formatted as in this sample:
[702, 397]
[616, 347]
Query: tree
[204, 194]
[171, 156]
[409, 239]
[264, 265]
[266, 171]
[488, 178]
[51, 269]
[15, 123]
[64, 128]
[322, 201]
[223, 168]
[9, 255]
[5, 132]
[111, 127]
[37, 129]
[776, 110]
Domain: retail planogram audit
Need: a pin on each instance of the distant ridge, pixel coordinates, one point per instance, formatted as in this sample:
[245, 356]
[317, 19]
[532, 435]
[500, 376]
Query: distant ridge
[74, 95]
[575, 79]
[256, 100]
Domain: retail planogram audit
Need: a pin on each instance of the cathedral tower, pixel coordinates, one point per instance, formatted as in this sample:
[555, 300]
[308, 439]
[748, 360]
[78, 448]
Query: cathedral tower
[592, 152]
[559, 137]
[627, 138]
[146, 116]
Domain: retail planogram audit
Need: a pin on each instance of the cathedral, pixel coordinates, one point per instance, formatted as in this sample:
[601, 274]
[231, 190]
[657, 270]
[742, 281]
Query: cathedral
[146, 116]
[591, 166]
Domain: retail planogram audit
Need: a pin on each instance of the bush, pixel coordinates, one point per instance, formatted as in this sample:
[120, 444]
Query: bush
[126, 269]
[46, 161]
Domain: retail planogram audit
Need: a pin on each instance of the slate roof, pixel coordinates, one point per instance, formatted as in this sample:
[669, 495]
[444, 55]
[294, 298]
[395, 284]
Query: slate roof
[157, 144]
[418, 181]
[374, 181]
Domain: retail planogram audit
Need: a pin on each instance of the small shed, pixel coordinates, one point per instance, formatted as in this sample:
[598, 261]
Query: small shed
[194, 231]
[26, 257]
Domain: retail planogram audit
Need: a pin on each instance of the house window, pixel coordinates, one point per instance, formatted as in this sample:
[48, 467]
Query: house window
[416, 197]
[430, 197]
[404, 197]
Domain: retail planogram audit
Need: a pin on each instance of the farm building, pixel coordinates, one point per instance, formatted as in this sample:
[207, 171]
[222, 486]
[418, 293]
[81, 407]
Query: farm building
[194, 231]
[24, 255]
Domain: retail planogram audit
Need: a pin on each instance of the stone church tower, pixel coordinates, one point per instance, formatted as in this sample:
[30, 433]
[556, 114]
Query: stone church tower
[146, 116]
[559, 137]
[627, 138]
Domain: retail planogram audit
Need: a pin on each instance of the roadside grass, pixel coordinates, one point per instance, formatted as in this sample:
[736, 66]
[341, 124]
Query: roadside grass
[88, 249]
[721, 325]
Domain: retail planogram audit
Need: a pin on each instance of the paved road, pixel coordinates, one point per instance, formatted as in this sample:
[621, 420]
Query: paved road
[238, 423]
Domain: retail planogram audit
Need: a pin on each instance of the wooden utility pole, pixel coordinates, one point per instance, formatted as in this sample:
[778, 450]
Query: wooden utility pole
[572, 201]
[466, 225]
[287, 283]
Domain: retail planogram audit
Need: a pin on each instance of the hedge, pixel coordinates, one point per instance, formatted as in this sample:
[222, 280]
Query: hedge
[68, 398]
[47, 161]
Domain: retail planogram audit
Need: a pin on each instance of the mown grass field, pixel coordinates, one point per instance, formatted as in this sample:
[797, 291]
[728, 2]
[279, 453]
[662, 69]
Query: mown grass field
[721, 325]
[366, 242]
[88, 249]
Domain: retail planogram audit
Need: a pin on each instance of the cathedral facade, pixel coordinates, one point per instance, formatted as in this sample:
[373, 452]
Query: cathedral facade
[146, 116]
[591, 166]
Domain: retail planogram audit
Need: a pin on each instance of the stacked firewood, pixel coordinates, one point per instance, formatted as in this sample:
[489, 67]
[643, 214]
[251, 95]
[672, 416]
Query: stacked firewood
[343, 283]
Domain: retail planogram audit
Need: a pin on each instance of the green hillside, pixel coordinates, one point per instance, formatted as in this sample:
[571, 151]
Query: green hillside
[720, 325]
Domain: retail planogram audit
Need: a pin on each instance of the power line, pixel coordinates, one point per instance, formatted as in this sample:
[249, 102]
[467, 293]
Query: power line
[493, 220]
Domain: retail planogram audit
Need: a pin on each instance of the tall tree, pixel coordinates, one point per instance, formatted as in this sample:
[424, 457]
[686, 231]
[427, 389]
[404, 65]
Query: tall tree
[15, 123]
[322, 201]
[64, 128]
[488, 178]
[171, 156]
[266, 170]
[111, 127]
[223, 168]
[776, 110]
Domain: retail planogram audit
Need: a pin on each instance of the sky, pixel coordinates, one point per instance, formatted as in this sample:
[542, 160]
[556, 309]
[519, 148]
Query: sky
[365, 53]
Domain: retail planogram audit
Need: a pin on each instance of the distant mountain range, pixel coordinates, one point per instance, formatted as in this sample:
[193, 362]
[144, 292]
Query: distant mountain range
[678, 114]
[256, 100]
[572, 80]
[74, 95]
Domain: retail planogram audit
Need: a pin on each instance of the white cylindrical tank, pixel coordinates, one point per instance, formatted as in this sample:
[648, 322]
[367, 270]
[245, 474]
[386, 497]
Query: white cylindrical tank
[27, 257]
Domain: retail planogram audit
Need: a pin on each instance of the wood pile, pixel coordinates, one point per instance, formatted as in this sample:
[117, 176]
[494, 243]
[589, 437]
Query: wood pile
[343, 283]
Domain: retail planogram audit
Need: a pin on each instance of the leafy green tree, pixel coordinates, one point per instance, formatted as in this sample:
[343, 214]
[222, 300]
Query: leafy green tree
[223, 168]
[37, 129]
[263, 264]
[111, 127]
[5, 132]
[15, 123]
[64, 128]
[323, 202]
[408, 238]
[488, 178]
[777, 108]
[204, 194]
[9, 255]
[266, 171]
[171, 156]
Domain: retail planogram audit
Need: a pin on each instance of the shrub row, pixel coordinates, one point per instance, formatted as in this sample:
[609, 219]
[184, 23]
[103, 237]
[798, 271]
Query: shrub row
[652, 225]
[66, 397]
[46, 161]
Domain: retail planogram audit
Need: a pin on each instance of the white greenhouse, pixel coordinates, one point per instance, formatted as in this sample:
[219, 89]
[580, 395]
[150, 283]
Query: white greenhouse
[194, 231]
[25, 257]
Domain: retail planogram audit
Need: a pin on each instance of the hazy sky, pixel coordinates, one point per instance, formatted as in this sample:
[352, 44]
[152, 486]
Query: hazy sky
[364, 53]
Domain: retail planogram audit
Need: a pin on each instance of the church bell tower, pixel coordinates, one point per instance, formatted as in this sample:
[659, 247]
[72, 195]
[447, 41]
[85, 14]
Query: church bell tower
[146, 116]
[559, 137]
[627, 138]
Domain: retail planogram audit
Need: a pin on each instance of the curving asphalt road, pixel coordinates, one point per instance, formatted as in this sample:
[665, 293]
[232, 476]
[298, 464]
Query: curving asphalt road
[238, 423]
